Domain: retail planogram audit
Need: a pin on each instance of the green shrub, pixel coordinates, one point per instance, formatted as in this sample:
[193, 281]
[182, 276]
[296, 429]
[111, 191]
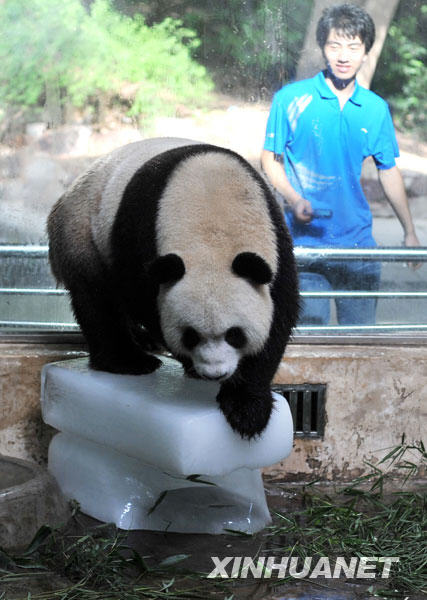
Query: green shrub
[46, 44]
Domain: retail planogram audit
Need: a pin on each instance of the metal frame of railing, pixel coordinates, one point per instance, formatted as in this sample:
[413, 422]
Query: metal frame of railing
[383, 254]
[412, 332]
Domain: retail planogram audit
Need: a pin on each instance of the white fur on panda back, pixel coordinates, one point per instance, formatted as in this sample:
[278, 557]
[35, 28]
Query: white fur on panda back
[212, 210]
[119, 168]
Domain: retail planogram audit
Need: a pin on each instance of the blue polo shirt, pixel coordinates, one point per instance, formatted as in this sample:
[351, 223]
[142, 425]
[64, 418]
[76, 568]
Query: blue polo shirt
[323, 148]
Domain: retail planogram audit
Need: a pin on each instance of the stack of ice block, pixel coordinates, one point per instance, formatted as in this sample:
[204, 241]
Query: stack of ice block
[155, 452]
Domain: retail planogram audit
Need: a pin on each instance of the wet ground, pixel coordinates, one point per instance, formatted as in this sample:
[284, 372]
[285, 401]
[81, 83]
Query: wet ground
[157, 546]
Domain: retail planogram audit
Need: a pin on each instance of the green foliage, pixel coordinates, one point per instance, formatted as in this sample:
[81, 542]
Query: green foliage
[365, 521]
[401, 75]
[252, 45]
[47, 45]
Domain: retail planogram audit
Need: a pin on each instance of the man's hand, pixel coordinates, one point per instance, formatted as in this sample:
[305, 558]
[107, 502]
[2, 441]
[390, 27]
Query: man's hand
[410, 240]
[279, 180]
[302, 210]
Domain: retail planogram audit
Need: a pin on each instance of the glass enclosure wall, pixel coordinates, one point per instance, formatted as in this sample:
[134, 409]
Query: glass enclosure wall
[30, 300]
[96, 74]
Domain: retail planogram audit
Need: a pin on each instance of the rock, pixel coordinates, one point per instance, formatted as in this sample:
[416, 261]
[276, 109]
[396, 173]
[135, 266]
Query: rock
[29, 498]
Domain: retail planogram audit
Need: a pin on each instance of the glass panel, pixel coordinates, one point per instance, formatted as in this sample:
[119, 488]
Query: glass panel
[29, 299]
[83, 77]
[389, 296]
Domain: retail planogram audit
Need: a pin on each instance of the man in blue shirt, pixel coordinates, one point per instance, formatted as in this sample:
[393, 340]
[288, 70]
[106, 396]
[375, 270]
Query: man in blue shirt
[319, 132]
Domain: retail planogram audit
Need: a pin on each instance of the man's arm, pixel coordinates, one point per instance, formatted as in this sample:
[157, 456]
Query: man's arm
[394, 189]
[278, 179]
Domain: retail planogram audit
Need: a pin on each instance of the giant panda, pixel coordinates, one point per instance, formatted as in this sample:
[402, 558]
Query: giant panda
[178, 244]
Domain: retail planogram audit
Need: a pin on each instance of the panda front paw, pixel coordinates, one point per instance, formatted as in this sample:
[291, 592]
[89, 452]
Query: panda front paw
[135, 364]
[247, 411]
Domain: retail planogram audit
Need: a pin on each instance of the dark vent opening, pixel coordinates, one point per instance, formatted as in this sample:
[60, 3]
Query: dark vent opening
[299, 416]
[307, 404]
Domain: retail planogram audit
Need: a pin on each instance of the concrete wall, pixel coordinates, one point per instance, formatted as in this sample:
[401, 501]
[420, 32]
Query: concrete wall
[374, 394]
[22, 432]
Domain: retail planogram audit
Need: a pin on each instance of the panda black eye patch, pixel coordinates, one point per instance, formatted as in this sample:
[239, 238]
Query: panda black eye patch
[253, 267]
[190, 338]
[167, 269]
[235, 337]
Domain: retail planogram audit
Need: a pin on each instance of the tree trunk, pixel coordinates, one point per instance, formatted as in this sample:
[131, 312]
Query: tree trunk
[311, 59]
[52, 107]
[382, 13]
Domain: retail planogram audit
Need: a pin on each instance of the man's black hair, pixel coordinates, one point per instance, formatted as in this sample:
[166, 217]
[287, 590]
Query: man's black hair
[349, 20]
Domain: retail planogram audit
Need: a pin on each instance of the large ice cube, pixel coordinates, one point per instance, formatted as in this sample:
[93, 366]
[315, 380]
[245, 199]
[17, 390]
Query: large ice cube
[163, 419]
[155, 452]
[116, 488]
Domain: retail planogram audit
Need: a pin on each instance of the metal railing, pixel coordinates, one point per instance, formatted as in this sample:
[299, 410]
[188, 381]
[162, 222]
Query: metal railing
[383, 254]
[303, 255]
[33, 251]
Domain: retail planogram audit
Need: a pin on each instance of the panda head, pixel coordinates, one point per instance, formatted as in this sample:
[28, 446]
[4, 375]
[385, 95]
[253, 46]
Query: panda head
[215, 317]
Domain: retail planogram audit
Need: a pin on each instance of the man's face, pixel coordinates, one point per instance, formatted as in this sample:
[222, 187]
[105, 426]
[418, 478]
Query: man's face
[345, 55]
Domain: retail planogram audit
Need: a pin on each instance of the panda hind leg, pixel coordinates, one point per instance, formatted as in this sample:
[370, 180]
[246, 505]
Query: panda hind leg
[109, 333]
[246, 409]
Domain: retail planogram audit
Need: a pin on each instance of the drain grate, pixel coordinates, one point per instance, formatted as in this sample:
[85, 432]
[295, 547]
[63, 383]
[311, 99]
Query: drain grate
[307, 404]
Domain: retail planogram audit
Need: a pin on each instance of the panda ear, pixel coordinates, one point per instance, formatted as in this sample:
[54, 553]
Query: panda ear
[169, 268]
[253, 267]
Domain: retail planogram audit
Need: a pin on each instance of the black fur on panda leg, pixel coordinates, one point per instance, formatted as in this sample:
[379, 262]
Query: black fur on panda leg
[112, 343]
[144, 340]
[247, 409]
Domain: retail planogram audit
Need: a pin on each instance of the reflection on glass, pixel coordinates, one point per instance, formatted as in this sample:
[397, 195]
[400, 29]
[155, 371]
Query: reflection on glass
[97, 74]
[319, 132]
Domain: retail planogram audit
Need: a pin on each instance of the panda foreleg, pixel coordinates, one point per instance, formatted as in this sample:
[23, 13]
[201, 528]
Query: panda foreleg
[247, 408]
[246, 399]
[108, 332]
